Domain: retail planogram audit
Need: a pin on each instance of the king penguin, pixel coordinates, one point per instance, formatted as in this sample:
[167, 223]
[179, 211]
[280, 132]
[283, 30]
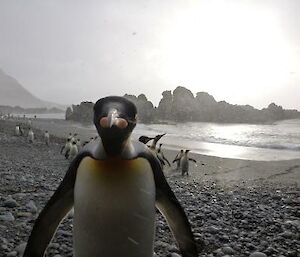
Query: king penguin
[184, 162]
[30, 136]
[47, 138]
[17, 130]
[114, 184]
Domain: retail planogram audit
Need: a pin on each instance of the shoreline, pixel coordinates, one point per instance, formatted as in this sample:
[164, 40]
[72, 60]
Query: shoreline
[61, 128]
[208, 168]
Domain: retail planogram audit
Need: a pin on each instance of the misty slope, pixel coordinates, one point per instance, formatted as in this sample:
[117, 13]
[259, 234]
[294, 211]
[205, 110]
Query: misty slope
[12, 93]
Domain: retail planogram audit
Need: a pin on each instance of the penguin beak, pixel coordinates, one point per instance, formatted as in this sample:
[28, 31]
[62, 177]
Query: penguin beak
[112, 117]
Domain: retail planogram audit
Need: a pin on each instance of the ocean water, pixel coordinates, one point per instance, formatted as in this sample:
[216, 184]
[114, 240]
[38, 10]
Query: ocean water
[265, 142]
[277, 141]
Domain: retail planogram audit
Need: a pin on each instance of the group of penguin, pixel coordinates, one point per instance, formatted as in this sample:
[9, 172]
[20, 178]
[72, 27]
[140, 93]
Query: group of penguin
[114, 184]
[19, 131]
[73, 146]
[182, 159]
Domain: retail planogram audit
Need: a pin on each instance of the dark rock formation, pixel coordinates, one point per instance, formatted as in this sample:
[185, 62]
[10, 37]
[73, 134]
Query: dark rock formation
[145, 108]
[182, 106]
[82, 112]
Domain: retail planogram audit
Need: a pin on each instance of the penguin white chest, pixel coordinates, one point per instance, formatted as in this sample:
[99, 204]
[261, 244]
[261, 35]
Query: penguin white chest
[114, 208]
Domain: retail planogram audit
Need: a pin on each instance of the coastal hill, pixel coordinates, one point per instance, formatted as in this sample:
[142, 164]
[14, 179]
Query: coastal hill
[12, 93]
[182, 106]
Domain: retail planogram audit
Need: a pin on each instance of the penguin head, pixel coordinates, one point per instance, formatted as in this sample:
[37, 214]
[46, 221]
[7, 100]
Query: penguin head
[115, 119]
[186, 151]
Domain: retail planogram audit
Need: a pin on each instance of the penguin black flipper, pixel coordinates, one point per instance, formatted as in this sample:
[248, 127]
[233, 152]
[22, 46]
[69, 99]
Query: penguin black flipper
[55, 210]
[193, 160]
[145, 139]
[168, 205]
[164, 158]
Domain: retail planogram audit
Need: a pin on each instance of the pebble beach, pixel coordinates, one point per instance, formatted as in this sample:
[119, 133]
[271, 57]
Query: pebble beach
[235, 207]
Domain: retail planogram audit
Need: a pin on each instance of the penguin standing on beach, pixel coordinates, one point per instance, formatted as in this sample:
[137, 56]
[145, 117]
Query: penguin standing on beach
[73, 151]
[47, 138]
[184, 162]
[17, 130]
[66, 148]
[160, 152]
[178, 158]
[78, 143]
[114, 185]
[30, 136]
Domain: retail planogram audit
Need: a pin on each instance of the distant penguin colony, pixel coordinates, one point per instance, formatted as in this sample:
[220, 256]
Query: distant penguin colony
[114, 184]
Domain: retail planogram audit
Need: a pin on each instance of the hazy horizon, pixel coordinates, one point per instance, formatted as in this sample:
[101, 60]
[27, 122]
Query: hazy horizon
[242, 52]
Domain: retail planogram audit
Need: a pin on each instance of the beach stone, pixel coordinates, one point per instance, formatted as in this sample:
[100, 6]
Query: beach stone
[54, 245]
[31, 206]
[4, 246]
[64, 233]
[213, 229]
[24, 214]
[228, 250]
[258, 254]
[219, 252]
[287, 234]
[57, 255]
[7, 217]
[175, 255]
[10, 202]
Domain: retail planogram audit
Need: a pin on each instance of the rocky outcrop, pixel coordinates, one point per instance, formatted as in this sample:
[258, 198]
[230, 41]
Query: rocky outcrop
[145, 108]
[182, 106]
[82, 112]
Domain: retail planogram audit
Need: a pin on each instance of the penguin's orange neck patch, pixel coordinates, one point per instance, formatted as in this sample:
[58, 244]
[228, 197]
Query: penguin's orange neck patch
[112, 165]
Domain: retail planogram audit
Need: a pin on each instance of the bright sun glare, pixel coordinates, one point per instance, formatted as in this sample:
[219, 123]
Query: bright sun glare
[227, 50]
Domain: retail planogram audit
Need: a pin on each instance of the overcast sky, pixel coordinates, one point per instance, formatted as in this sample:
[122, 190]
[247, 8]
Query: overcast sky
[66, 51]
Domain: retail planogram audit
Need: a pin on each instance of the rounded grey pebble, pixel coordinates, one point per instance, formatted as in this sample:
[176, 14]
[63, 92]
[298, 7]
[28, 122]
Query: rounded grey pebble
[258, 254]
[175, 255]
[228, 250]
[10, 202]
[7, 217]
[31, 206]
[54, 245]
